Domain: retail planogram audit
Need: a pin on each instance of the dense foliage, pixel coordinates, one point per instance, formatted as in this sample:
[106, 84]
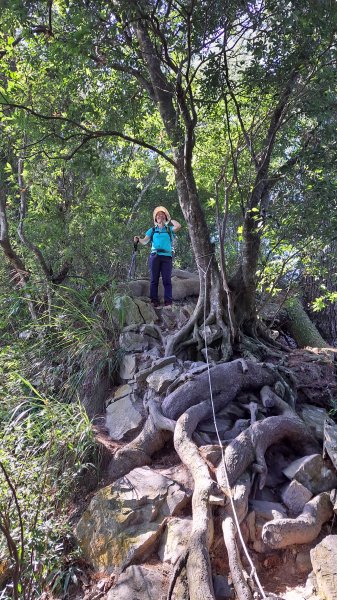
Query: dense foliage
[46, 448]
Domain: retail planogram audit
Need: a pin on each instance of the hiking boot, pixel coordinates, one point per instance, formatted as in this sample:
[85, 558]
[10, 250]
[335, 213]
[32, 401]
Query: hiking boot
[168, 303]
[155, 303]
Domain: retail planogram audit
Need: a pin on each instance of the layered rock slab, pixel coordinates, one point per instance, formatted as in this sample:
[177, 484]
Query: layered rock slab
[324, 562]
[175, 539]
[124, 521]
[137, 583]
[312, 472]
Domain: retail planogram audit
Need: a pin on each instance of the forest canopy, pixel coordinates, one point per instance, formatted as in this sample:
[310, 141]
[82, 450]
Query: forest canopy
[238, 98]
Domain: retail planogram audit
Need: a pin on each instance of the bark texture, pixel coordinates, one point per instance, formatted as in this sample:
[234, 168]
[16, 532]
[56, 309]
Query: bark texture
[302, 530]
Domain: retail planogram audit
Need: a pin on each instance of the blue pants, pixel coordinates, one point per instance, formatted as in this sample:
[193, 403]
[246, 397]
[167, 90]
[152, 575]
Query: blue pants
[160, 265]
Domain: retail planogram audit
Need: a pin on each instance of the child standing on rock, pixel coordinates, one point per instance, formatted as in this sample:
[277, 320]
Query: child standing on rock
[160, 260]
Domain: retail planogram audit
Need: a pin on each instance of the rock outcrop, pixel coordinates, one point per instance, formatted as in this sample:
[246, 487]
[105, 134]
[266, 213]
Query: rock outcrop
[124, 521]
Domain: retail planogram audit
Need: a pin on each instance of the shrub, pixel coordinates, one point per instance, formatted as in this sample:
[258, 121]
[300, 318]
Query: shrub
[45, 447]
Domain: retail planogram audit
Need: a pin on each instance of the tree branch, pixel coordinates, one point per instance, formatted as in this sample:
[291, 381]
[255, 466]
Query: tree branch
[90, 135]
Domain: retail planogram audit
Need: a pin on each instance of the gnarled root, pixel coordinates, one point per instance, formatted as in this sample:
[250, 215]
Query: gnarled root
[302, 530]
[191, 392]
[158, 418]
[271, 400]
[173, 341]
[198, 563]
[252, 444]
[242, 589]
[240, 496]
[138, 452]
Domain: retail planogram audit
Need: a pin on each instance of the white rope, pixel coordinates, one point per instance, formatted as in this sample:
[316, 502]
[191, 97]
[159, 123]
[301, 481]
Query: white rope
[253, 573]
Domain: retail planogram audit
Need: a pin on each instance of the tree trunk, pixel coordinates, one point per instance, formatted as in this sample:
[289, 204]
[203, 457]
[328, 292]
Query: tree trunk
[21, 273]
[14, 259]
[179, 122]
[301, 327]
[325, 319]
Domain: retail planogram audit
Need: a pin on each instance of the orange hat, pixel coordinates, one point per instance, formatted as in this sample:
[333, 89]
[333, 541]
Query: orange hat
[161, 209]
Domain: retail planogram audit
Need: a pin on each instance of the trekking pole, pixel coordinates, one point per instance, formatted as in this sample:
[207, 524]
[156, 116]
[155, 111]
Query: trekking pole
[133, 264]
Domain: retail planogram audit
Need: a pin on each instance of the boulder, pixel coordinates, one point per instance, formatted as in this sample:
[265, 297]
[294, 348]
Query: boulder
[181, 287]
[162, 378]
[313, 472]
[314, 417]
[212, 453]
[133, 341]
[128, 311]
[151, 331]
[330, 440]
[170, 317]
[222, 424]
[261, 512]
[139, 287]
[135, 338]
[122, 417]
[175, 539]
[146, 310]
[183, 274]
[127, 367]
[310, 590]
[137, 583]
[120, 392]
[324, 563]
[303, 561]
[181, 475]
[333, 500]
[295, 496]
[185, 313]
[124, 521]
[157, 364]
[268, 510]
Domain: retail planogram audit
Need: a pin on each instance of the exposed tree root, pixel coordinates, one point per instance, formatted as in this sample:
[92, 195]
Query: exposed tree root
[287, 391]
[259, 348]
[215, 310]
[239, 426]
[242, 589]
[198, 563]
[251, 444]
[138, 452]
[271, 400]
[181, 412]
[228, 379]
[158, 418]
[172, 345]
[183, 378]
[240, 495]
[302, 530]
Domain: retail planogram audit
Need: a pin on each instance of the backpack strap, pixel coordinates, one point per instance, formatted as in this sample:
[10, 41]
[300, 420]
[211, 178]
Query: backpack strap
[168, 229]
[152, 234]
